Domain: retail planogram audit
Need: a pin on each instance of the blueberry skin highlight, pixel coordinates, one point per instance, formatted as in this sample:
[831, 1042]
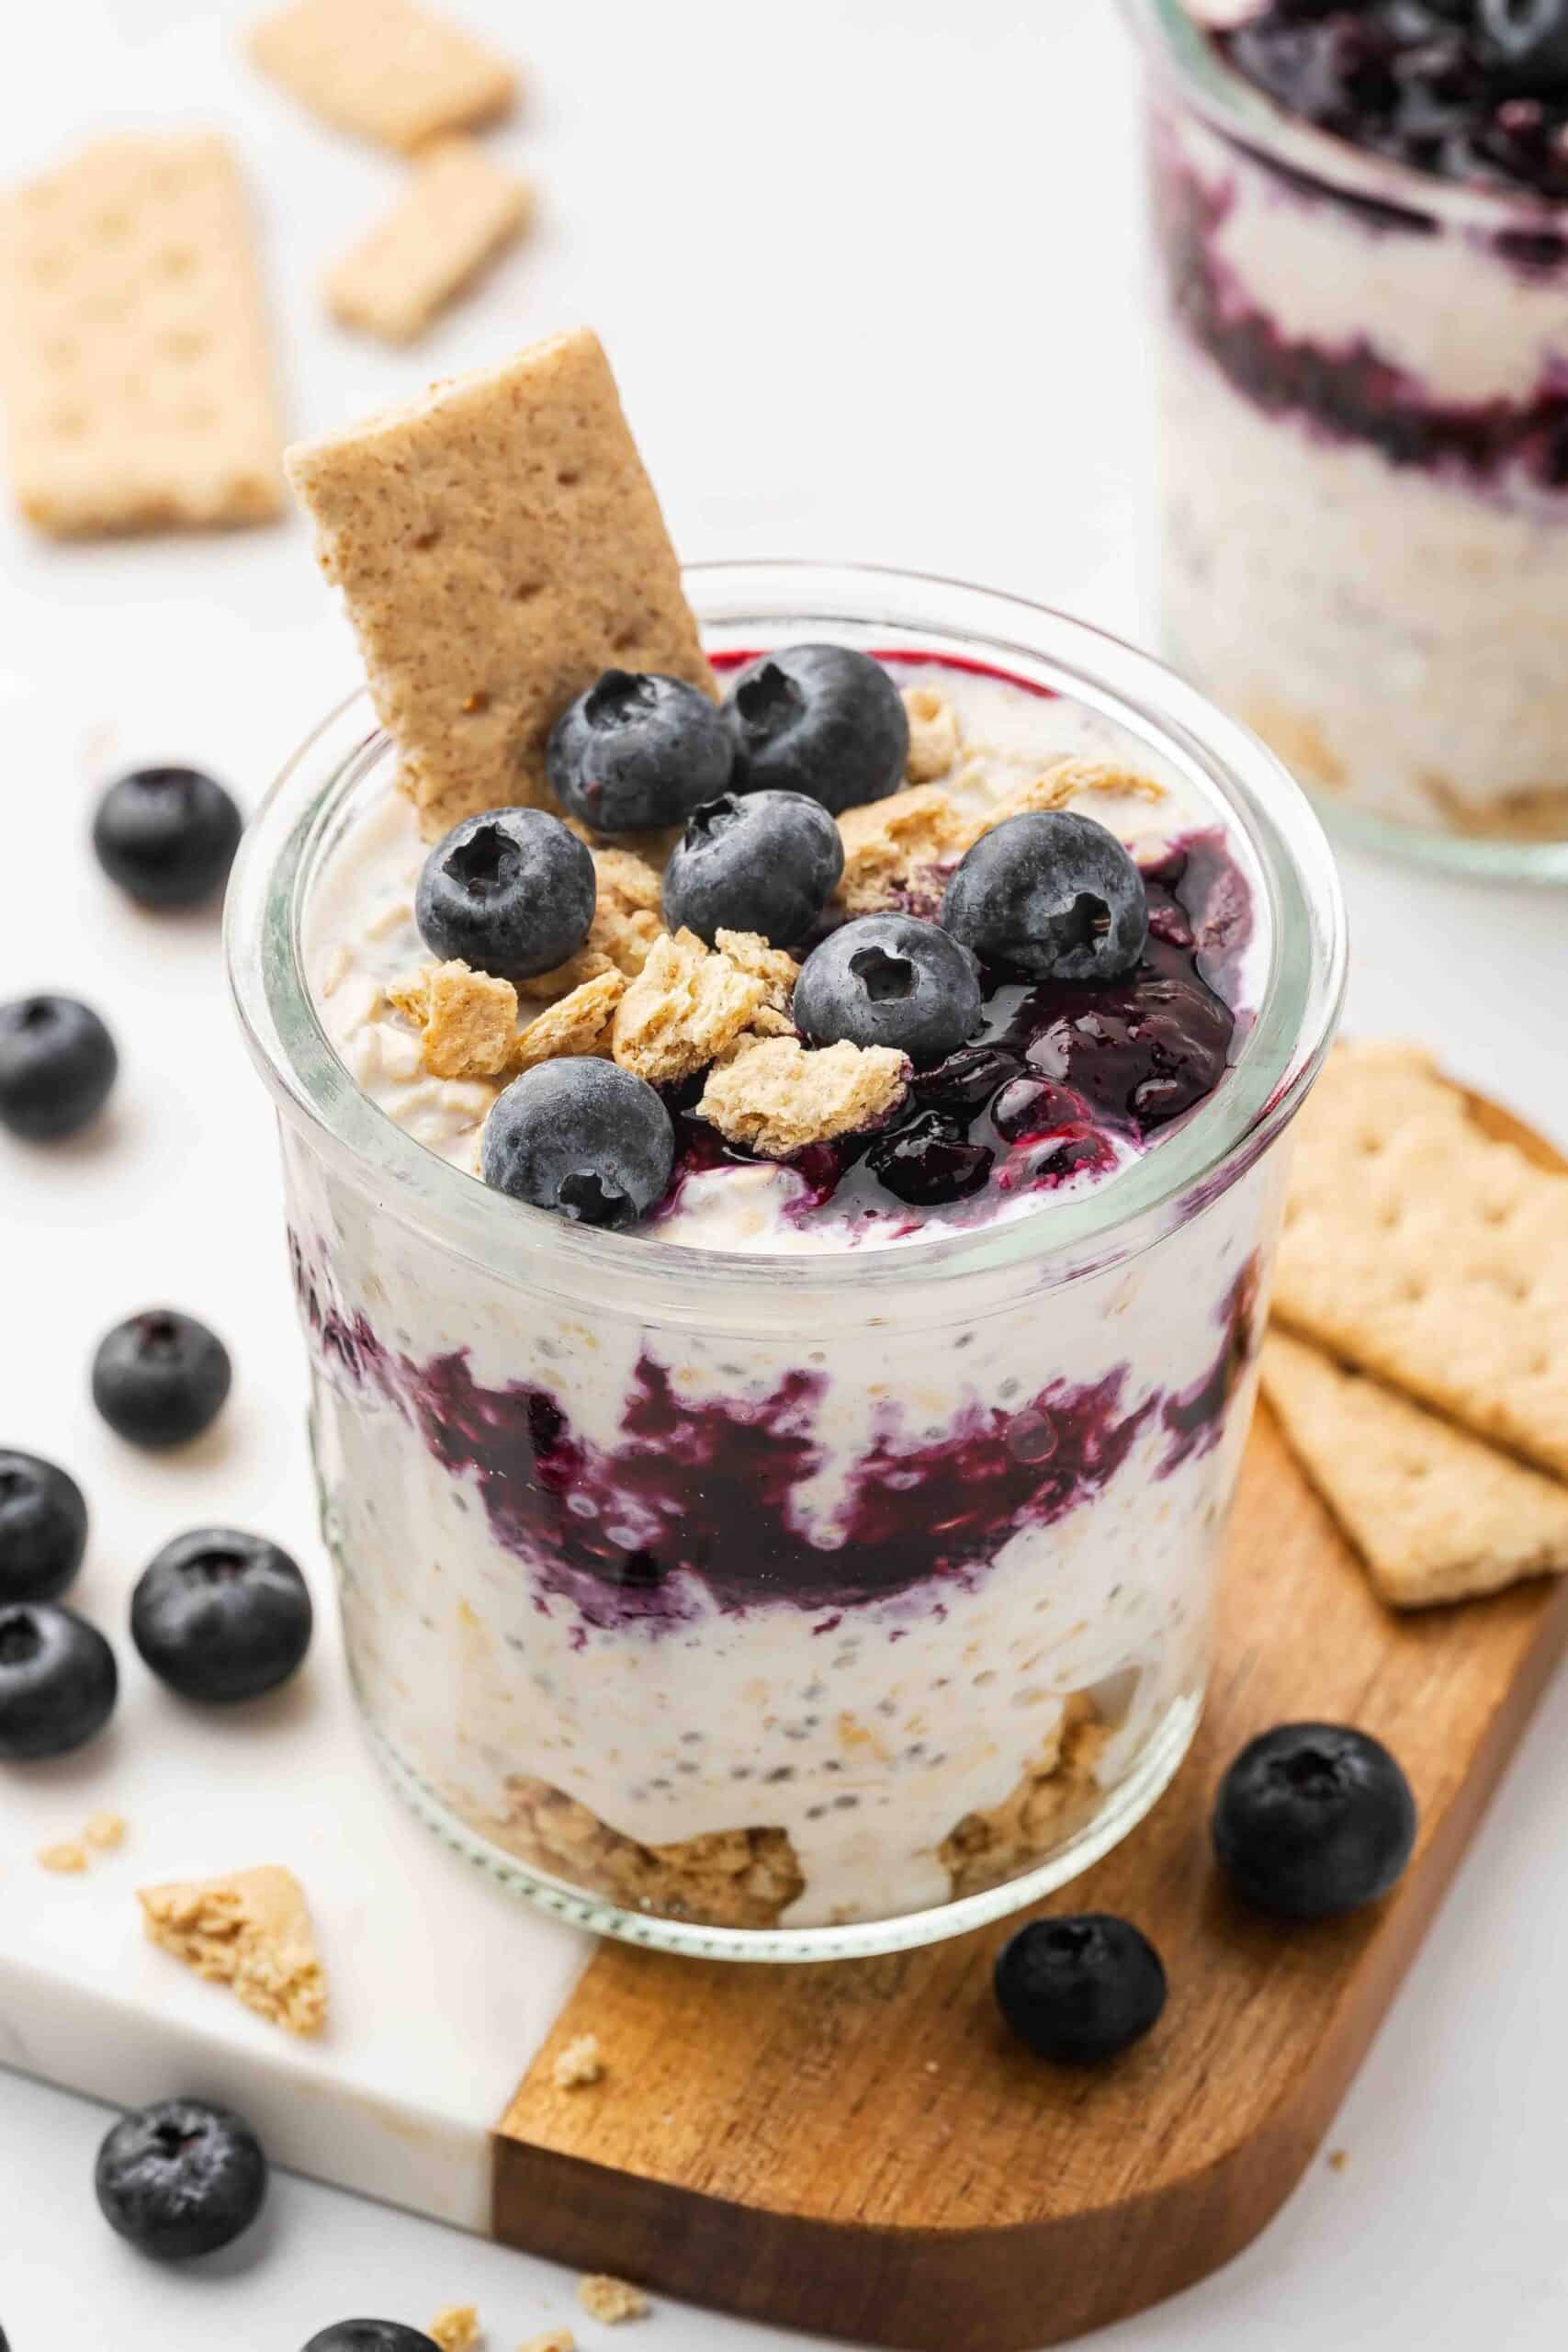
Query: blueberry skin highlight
[821, 720]
[762, 862]
[180, 2179]
[221, 1616]
[637, 751]
[43, 1528]
[58, 1065]
[581, 1139]
[1050, 895]
[58, 1681]
[890, 980]
[1314, 1819]
[510, 892]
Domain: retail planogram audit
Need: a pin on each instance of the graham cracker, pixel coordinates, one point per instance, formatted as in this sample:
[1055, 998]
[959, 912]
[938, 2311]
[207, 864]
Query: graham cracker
[1421, 1249]
[611, 2299]
[455, 2328]
[251, 1931]
[684, 1008]
[457, 211]
[498, 546]
[579, 1023]
[384, 69]
[776, 1097]
[1435, 1514]
[134, 367]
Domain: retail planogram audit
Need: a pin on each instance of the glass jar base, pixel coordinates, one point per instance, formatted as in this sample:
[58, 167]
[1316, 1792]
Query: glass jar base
[1476, 857]
[1123, 1808]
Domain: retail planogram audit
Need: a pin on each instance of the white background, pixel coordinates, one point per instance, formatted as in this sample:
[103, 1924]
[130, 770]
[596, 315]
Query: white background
[868, 271]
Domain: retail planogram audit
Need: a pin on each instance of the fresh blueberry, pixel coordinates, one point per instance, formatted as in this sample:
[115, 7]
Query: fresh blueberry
[819, 719]
[369, 2336]
[161, 1378]
[1311, 1819]
[1079, 1989]
[768, 863]
[1051, 895]
[220, 1615]
[58, 1680]
[929, 1161]
[583, 1138]
[511, 892]
[43, 1528]
[1530, 40]
[638, 751]
[181, 2178]
[889, 980]
[57, 1065]
[167, 836]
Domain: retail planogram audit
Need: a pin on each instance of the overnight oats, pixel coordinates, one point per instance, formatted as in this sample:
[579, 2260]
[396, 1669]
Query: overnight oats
[781, 1199]
[1361, 218]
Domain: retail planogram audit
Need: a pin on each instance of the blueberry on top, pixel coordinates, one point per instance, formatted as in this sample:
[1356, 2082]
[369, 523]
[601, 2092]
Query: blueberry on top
[58, 1680]
[161, 1378]
[889, 980]
[57, 1065]
[767, 861]
[1530, 40]
[1313, 1819]
[583, 1137]
[220, 1615]
[181, 2178]
[1079, 1989]
[369, 2336]
[637, 751]
[43, 1528]
[167, 836]
[1051, 895]
[820, 720]
[511, 892]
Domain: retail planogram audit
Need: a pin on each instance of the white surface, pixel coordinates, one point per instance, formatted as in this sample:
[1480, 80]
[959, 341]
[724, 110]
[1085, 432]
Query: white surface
[869, 277]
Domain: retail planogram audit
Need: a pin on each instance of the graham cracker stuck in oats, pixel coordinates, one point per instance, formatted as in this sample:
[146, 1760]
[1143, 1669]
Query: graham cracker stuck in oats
[134, 367]
[457, 211]
[498, 546]
[383, 69]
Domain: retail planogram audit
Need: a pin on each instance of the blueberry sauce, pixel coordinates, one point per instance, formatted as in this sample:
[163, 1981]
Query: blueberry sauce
[698, 1501]
[1352, 394]
[1429, 84]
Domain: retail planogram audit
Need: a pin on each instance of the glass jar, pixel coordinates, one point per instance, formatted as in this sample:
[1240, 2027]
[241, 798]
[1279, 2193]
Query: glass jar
[1365, 466]
[789, 1608]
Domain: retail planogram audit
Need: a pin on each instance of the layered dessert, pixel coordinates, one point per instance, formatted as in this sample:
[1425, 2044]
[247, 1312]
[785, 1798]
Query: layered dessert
[1364, 260]
[745, 1523]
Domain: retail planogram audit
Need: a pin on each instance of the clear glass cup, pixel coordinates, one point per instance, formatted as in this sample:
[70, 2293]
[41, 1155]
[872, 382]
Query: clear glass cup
[789, 1608]
[1365, 467]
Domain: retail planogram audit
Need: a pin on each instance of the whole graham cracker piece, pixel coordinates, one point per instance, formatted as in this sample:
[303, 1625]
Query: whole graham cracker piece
[457, 212]
[134, 367]
[498, 545]
[1435, 1514]
[1422, 1249]
[384, 69]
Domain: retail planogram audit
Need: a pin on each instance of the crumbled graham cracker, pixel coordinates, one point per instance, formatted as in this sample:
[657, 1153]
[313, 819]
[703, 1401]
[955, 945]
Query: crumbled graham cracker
[727, 1878]
[777, 1097]
[554, 2339]
[611, 2299]
[895, 848]
[458, 209]
[685, 1005]
[1055, 1793]
[252, 1931]
[933, 734]
[104, 1830]
[467, 1019]
[384, 69]
[1064, 782]
[454, 2328]
[579, 1024]
[498, 546]
[749, 953]
[578, 2064]
[65, 1858]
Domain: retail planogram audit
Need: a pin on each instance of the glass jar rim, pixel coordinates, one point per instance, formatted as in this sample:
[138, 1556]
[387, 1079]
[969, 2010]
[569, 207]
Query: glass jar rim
[1180, 50]
[1296, 1013]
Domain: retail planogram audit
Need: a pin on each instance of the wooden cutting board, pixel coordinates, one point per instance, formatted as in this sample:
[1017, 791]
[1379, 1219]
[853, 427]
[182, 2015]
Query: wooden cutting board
[860, 2149]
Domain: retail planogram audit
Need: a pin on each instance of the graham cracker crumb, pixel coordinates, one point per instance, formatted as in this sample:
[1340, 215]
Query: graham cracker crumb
[135, 368]
[1062, 784]
[579, 1024]
[498, 546]
[731, 1878]
[69, 1857]
[383, 69]
[777, 971]
[454, 2328]
[468, 1020]
[104, 1830]
[1436, 1515]
[611, 2299]
[933, 734]
[896, 851]
[578, 2063]
[1056, 1794]
[1338, 2159]
[458, 209]
[252, 1931]
[554, 2339]
[777, 1097]
[684, 1008]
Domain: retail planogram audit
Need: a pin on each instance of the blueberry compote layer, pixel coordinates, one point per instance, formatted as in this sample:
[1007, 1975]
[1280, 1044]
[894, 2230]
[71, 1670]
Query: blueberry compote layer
[1469, 90]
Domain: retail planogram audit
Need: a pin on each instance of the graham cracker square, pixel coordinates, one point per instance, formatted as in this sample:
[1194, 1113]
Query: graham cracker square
[383, 69]
[457, 212]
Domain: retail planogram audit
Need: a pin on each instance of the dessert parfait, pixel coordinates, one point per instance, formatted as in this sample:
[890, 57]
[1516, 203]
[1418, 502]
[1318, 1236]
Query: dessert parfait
[779, 1071]
[1363, 245]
